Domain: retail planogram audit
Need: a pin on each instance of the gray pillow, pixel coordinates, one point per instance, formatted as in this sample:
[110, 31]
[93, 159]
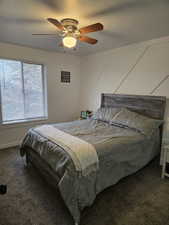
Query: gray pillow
[105, 114]
[143, 124]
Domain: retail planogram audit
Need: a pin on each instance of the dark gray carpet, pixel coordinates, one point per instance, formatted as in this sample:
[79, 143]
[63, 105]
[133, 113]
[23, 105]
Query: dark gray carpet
[140, 199]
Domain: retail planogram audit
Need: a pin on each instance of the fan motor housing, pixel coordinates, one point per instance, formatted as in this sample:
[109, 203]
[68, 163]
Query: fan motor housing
[68, 22]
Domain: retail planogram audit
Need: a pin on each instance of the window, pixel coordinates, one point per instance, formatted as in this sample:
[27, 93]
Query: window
[22, 91]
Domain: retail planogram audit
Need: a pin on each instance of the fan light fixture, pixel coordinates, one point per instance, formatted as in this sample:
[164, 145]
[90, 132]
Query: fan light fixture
[68, 29]
[69, 41]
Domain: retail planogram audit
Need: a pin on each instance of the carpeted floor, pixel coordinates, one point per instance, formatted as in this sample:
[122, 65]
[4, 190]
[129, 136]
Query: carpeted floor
[140, 199]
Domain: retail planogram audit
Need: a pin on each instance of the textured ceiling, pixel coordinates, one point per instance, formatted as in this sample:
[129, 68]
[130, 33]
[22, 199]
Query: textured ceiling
[125, 22]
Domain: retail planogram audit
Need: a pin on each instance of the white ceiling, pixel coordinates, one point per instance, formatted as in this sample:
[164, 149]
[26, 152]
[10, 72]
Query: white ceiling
[125, 22]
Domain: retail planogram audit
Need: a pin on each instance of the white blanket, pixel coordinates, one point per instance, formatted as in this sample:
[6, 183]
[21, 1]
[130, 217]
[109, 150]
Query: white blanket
[82, 153]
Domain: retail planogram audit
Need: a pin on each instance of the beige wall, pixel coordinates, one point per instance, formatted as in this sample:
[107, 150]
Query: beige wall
[63, 99]
[134, 69]
[103, 72]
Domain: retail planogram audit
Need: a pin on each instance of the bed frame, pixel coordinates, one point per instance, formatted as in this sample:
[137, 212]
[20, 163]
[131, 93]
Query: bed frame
[151, 106]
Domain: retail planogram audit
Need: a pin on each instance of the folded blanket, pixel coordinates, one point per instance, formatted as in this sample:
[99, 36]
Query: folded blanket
[82, 153]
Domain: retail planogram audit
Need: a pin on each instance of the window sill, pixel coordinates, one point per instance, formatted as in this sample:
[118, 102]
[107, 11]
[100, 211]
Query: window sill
[22, 123]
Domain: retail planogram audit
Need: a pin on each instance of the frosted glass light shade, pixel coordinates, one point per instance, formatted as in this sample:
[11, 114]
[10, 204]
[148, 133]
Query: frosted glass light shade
[69, 42]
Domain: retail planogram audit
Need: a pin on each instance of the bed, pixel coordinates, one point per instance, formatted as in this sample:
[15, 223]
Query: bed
[121, 151]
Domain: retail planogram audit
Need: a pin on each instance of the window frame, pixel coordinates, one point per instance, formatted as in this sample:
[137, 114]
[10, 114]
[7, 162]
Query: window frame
[44, 91]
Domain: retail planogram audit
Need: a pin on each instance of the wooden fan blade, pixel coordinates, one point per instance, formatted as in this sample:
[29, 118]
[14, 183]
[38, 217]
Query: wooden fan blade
[56, 23]
[87, 39]
[91, 28]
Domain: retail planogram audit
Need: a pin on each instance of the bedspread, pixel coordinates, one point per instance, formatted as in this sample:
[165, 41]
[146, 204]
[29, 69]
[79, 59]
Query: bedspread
[121, 152]
[82, 153]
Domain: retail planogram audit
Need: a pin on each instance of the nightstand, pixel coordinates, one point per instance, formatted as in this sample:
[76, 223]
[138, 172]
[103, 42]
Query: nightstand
[165, 160]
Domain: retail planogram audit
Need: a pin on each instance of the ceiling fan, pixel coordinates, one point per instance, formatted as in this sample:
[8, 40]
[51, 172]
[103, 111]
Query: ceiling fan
[68, 29]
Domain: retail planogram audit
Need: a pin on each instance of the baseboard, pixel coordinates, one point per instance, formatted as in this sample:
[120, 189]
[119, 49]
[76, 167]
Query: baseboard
[9, 145]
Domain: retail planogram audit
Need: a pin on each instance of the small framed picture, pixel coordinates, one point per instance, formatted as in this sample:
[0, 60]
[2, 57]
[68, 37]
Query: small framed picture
[65, 76]
[83, 114]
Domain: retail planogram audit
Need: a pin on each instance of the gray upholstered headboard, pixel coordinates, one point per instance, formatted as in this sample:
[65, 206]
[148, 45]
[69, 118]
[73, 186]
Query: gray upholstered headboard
[151, 106]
